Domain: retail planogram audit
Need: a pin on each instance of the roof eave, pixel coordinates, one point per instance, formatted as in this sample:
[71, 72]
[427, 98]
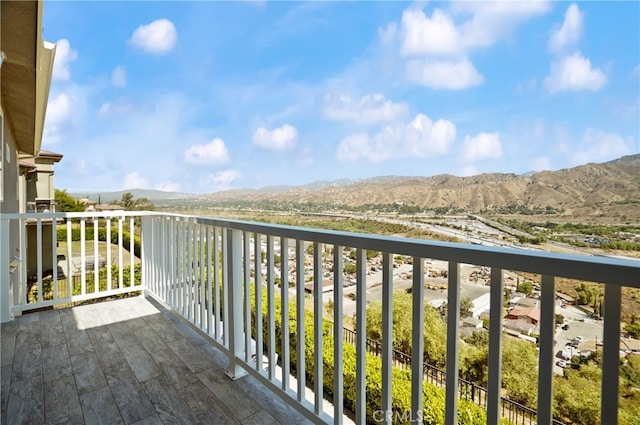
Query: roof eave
[43, 83]
[26, 72]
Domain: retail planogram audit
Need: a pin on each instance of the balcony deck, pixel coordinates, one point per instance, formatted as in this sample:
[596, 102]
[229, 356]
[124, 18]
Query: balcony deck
[127, 361]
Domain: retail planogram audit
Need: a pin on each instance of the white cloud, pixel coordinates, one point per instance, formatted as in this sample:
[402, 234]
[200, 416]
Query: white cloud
[280, 138]
[366, 110]
[574, 73]
[388, 34]
[569, 33]
[134, 181]
[119, 76]
[168, 187]
[598, 146]
[420, 138]
[214, 152]
[429, 35]
[541, 163]
[222, 179]
[493, 21]
[439, 34]
[444, 40]
[482, 146]
[158, 37]
[61, 110]
[58, 111]
[444, 75]
[63, 57]
[354, 147]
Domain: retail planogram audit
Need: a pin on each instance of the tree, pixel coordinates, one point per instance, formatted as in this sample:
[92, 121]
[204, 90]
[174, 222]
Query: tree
[67, 203]
[525, 287]
[584, 294]
[520, 370]
[435, 329]
[127, 201]
[633, 329]
[577, 394]
[466, 307]
[349, 268]
[131, 204]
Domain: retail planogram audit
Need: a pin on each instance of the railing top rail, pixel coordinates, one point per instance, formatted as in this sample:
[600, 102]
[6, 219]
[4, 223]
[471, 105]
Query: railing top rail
[89, 214]
[603, 269]
[617, 271]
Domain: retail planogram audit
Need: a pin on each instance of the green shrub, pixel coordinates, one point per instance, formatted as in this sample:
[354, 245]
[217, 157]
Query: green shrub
[433, 397]
[102, 236]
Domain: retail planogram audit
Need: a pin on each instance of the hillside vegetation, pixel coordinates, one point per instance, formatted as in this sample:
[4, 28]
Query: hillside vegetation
[610, 189]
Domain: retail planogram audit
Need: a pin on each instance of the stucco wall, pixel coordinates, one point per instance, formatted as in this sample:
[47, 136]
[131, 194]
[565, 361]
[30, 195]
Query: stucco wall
[10, 199]
[10, 202]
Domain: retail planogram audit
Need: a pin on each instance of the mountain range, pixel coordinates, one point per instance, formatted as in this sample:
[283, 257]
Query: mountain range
[591, 185]
[616, 181]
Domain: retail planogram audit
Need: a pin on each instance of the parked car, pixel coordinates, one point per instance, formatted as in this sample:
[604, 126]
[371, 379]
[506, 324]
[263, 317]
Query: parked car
[565, 327]
[562, 364]
[578, 339]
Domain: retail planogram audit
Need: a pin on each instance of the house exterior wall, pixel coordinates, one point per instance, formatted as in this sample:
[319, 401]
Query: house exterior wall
[44, 180]
[10, 197]
[9, 203]
[32, 249]
[481, 304]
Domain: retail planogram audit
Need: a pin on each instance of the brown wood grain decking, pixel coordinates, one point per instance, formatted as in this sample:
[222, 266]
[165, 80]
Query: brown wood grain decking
[128, 361]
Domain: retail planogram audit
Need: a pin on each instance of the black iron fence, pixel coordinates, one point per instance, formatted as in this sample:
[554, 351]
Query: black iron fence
[514, 412]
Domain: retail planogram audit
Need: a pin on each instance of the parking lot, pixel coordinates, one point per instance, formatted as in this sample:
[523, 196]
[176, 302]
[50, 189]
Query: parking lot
[579, 325]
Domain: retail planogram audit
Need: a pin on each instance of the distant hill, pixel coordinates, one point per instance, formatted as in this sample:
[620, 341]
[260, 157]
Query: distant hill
[152, 195]
[613, 182]
[610, 188]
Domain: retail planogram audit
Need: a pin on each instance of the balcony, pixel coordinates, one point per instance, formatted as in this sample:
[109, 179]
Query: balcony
[189, 347]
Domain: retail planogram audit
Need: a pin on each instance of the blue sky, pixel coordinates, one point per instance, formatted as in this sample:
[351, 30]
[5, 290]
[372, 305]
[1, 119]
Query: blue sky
[206, 96]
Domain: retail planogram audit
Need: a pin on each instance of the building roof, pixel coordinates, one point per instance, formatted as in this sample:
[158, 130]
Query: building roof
[517, 326]
[31, 162]
[25, 75]
[470, 321]
[87, 202]
[109, 207]
[53, 156]
[530, 312]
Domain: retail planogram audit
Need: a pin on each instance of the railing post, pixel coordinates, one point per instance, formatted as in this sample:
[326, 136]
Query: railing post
[234, 282]
[453, 317]
[417, 341]
[145, 251]
[387, 336]
[547, 335]
[494, 384]
[5, 272]
[611, 353]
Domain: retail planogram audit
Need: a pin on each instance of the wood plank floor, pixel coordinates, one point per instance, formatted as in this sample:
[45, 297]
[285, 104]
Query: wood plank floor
[128, 361]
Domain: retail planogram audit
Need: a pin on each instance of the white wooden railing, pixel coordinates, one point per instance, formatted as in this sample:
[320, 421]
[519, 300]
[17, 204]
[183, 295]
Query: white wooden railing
[205, 269]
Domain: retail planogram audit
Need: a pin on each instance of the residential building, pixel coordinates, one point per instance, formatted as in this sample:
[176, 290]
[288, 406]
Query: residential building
[25, 76]
[36, 182]
[526, 314]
